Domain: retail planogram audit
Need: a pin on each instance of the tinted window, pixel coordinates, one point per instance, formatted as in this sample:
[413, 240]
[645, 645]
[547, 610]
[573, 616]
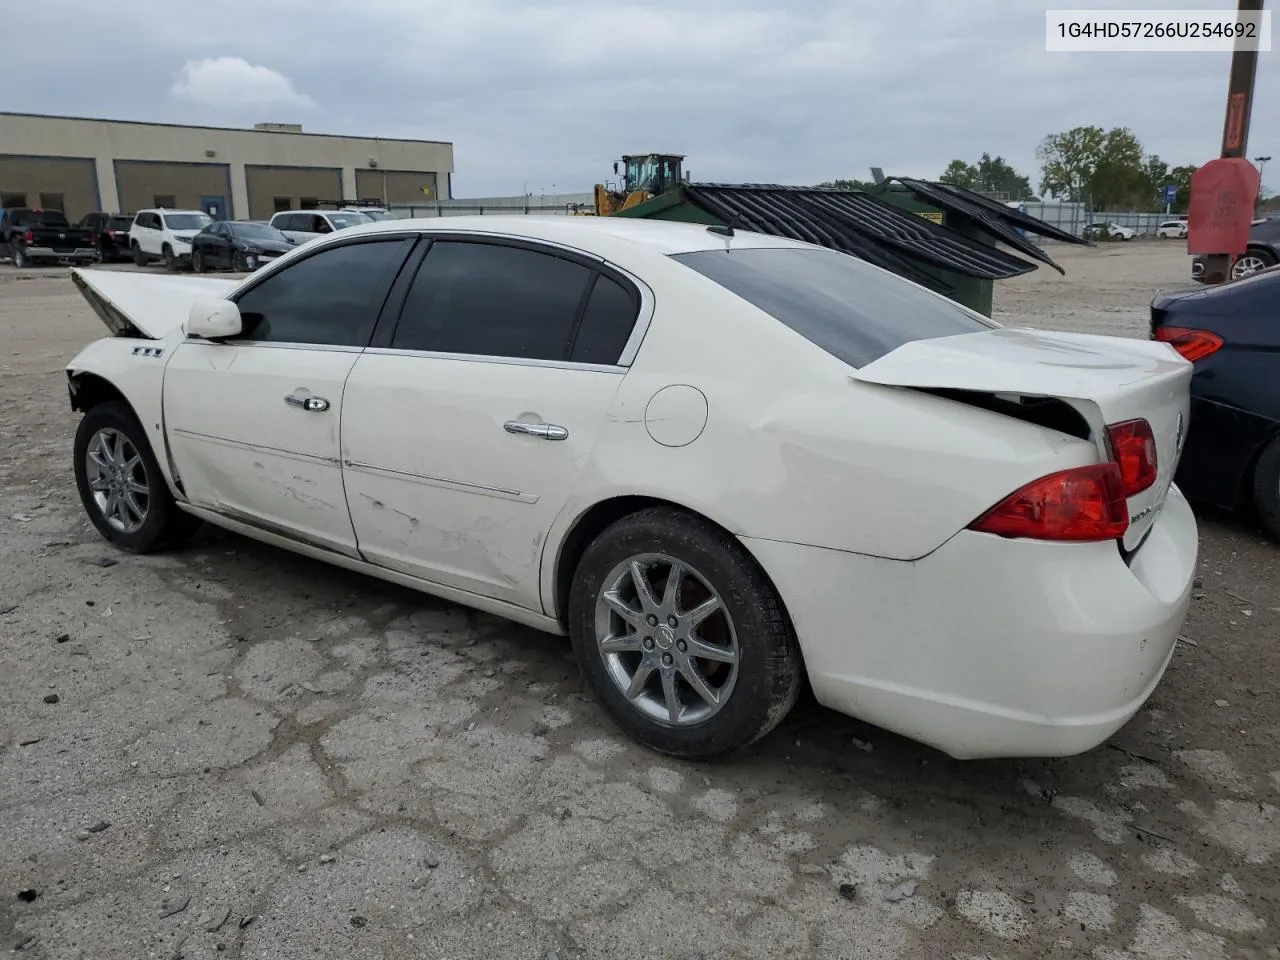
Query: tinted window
[849, 308]
[491, 300]
[249, 231]
[187, 221]
[341, 221]
[121, 223]
[332, 297]
[606, 324]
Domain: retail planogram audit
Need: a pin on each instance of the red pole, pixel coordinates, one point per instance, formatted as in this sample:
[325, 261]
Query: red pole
[1235, 128]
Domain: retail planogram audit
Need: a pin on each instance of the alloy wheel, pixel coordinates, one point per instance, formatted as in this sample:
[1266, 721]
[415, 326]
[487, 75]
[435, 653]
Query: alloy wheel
[1246, 265]
[118, 480]
[666, 639]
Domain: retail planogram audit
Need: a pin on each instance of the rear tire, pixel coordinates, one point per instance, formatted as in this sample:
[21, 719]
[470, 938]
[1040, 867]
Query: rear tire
[708, 683]
[1266, 488]
[19, 257]
[120, 483]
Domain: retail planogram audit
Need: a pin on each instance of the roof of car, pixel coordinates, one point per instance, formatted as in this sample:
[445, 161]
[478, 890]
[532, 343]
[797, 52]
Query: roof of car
[662, 236]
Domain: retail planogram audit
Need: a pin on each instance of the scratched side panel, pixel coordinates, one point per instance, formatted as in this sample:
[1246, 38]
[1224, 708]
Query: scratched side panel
[241, 450]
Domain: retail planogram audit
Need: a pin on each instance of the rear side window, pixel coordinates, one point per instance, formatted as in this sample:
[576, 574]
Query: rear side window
[852, 310]
[331, 298]
[606, 323]
[491, 300]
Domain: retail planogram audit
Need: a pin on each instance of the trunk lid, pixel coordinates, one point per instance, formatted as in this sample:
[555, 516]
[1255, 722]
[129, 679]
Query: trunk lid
[139, 304]
[1107, 380]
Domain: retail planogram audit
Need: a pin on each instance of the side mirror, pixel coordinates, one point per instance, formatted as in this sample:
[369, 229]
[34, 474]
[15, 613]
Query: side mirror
[213, 319]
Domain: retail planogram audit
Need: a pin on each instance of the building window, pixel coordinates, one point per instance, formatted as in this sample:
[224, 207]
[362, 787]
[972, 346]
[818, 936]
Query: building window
[281, 203]
[10, 200]
[165, 201]
[52, 201]
[308, 203]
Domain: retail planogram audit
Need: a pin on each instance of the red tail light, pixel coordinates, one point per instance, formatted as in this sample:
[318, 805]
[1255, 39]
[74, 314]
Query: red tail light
[1192, 344]
[1133, 446]
[1085, 503]
[28, 237]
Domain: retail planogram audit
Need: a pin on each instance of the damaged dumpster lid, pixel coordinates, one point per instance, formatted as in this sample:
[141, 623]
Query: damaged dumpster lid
[856, 223]
[1000, 221]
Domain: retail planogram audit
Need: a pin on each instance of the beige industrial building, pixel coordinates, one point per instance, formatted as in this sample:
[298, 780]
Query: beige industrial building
[81, 165]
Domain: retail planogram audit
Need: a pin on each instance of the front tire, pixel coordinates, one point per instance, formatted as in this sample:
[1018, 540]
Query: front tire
[120, 483]
[197, 261]
[238, 262]
[681, 635]
[139, 258]
[170, 261]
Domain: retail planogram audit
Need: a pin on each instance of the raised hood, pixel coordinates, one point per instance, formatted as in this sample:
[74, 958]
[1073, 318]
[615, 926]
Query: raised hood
[1107, 380]
[145, 305]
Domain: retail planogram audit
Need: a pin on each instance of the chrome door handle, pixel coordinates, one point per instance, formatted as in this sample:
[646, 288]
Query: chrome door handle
[547, 431]
[311, 404]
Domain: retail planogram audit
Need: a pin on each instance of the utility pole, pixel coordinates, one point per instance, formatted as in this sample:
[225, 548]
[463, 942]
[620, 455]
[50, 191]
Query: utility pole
[1235, 129]
[1262, 165]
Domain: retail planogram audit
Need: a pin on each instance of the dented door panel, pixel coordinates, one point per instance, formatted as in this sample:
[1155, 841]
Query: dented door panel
[442, 487]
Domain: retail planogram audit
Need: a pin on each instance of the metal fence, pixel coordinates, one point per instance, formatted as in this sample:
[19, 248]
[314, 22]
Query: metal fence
[1074, 217]
[546, 205]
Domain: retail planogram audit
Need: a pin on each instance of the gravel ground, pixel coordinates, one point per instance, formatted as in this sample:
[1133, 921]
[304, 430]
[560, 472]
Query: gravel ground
[254, 755]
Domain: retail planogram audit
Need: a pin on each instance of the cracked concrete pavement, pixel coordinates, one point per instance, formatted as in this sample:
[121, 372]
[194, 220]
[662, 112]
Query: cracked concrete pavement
[254, 755]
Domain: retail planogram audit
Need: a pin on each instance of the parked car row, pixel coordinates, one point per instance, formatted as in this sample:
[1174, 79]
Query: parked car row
[173, 237]
[1174, 229]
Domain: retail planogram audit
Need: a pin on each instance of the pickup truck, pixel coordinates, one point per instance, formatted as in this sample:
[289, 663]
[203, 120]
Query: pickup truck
[37, 236]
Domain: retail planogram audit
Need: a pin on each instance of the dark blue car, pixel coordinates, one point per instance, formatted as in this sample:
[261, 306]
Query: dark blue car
[1231, 332]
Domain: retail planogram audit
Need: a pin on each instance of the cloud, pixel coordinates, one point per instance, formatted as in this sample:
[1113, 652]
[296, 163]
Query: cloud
[234, 83]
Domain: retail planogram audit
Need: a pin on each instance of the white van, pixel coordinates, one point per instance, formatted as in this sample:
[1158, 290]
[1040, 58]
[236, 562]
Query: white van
[304, 225]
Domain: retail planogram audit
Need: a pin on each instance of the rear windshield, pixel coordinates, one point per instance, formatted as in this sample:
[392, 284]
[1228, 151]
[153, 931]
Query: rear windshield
[187, 221]
[852, 310]
[48, 218]
[121, 223]
[341, 221]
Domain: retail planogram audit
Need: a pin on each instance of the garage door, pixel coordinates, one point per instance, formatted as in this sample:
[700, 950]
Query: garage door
[396, 186]
[178, 186]
[51, 183]
[274, 188]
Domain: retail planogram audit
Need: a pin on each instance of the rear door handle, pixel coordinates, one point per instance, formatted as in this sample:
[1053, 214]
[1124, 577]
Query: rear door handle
[310, 404]
[547, 431]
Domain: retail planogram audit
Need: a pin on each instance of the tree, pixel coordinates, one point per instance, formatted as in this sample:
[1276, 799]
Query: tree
[1106, 169]
[960, 174]
[988, 175]
[1069, 161]
[848, 184]
[1180, 177]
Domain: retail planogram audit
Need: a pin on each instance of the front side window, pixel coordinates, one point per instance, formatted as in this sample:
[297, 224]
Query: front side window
[852, 310]
[331, 298]
[492, 300]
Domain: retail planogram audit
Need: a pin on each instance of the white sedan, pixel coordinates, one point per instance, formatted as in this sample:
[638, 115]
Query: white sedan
[721, 462]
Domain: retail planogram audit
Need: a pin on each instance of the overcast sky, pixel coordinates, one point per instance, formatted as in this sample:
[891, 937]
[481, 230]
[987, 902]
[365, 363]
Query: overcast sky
[544, 95]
